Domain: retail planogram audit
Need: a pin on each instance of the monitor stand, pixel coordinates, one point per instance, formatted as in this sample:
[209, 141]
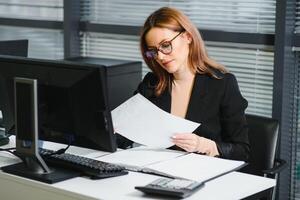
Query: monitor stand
[31, 168]
[26, 120]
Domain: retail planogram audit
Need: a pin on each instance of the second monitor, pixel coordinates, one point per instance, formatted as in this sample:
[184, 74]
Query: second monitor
[72, 101]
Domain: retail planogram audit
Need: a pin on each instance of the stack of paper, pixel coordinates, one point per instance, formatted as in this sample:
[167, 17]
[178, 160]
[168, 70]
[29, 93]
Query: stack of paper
[172, 163]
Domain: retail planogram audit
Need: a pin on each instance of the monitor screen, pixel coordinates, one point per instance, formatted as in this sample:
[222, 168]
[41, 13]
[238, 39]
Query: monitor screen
[72, 101]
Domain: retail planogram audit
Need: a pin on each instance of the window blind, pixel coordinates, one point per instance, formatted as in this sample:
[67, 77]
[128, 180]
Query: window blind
[32, 9]
[43, 43]
[297, 24]
[289, 126]
[255, 16]
[253, 67]
[296, 144]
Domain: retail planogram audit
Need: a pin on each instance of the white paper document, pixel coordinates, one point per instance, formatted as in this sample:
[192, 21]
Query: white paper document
[137, 158]
[196, 167]
[143, 122]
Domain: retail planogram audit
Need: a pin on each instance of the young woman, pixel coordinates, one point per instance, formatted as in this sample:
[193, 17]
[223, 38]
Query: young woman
[187, 83]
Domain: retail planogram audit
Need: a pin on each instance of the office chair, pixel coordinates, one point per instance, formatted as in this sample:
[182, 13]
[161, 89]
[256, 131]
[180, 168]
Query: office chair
[263, 137]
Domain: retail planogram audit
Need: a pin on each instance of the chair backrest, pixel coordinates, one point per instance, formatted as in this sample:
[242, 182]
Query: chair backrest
[263, 135]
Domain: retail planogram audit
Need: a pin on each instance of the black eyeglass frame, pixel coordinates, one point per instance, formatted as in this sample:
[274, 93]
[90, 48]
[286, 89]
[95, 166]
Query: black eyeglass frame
[153, 52]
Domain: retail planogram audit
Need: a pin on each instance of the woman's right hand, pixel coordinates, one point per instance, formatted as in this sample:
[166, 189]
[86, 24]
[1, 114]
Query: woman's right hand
[191, 142]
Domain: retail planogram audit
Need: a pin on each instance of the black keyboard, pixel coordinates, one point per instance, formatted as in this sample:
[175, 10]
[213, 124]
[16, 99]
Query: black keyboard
[93, 168]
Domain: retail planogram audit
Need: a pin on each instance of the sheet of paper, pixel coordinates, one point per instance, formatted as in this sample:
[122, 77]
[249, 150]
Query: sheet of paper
[139, 157]
[196, 167]
[141, 121]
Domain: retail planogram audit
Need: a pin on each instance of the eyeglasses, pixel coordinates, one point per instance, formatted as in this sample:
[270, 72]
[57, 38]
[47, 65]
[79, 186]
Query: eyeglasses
[165, 48]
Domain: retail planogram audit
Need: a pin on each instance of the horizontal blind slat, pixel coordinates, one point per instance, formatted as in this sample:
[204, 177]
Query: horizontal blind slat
[32, 9]
[245, 16]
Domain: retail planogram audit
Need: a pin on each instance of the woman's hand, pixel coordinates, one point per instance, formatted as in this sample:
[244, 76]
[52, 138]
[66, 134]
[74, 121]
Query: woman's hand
[191, 142]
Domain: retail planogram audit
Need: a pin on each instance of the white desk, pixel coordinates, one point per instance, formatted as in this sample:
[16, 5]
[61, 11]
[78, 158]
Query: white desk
[234, 185]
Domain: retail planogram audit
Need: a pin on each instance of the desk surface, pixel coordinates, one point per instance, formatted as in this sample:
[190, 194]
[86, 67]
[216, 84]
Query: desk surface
[234, 185]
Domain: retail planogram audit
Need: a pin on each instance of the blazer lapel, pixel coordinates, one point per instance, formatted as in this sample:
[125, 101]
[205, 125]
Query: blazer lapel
[195, 106]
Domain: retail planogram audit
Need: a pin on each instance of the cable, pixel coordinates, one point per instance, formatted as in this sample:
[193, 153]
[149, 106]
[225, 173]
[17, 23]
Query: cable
[7, 149]
[59, 151]
[70, 139]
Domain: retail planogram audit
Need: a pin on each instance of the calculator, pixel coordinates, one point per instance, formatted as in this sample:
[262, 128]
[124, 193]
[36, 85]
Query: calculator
[178, 188]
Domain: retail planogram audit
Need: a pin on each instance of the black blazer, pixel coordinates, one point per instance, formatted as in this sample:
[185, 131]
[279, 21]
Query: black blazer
[215, 103]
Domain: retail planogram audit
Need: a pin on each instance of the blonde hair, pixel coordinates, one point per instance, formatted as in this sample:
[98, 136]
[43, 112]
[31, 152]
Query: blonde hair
[198, 59]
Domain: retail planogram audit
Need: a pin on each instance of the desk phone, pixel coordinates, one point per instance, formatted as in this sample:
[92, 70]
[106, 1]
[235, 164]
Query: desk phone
[179, 188]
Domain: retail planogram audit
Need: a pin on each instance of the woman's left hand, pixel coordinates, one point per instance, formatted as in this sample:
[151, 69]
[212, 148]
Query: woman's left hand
[191, 142]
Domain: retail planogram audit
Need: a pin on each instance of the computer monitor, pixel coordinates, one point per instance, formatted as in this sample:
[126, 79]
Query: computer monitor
[12, 48]
[72, 101]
